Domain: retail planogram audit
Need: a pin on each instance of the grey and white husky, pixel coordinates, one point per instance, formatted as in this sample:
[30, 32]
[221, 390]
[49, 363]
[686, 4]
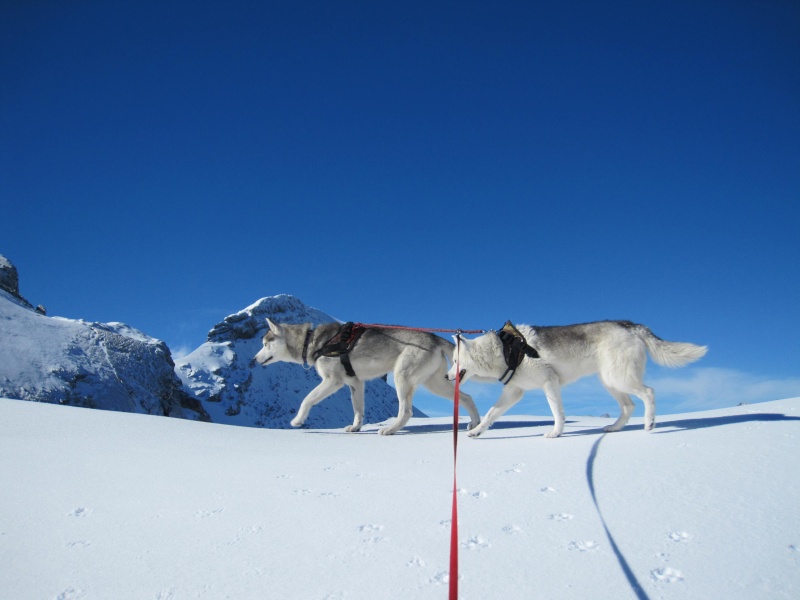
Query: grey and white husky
[415, 357]
[549, 357]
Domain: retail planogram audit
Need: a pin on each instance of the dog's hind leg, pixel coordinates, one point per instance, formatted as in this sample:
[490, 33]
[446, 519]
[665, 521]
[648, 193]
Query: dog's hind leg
[648, 396]
[552, 391]
[641, 391]
[625, 409]
[510, 396]
[438, 385]
[357, 398]
[315, 396]
[405, 391]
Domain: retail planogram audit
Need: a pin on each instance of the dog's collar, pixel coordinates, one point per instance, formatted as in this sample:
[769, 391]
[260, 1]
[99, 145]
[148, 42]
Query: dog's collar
[305, 344]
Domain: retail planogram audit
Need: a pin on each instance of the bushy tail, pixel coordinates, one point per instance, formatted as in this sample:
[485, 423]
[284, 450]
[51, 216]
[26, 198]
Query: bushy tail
[672, 354]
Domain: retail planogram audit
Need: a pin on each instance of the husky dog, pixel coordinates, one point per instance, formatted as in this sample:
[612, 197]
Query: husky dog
[416, 357]
[549, 357]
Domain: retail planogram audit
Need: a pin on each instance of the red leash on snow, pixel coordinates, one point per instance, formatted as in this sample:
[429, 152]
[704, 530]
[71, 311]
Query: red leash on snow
[454, 517]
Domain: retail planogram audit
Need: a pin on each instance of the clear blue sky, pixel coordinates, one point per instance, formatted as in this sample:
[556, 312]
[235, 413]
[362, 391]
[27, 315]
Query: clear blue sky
[440, 164]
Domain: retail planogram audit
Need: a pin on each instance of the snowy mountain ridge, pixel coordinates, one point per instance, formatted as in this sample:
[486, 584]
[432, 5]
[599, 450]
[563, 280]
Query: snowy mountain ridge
[110, 366]
[114, 366]
[220, 374]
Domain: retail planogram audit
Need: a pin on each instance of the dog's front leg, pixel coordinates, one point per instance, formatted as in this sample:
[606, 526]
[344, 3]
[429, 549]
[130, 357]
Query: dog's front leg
[552, 390]
[357, 398]
[510, 396]
[315, 396]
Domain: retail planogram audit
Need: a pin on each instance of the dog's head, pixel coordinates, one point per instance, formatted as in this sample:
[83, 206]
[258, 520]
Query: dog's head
[476, 358]
[274, 347]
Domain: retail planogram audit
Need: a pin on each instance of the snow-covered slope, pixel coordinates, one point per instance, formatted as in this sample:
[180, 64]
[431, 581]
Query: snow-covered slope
[98, 365]
[233, 391]
[98, 505]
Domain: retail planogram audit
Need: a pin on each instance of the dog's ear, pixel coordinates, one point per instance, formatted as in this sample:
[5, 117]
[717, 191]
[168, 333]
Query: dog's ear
[274, 327]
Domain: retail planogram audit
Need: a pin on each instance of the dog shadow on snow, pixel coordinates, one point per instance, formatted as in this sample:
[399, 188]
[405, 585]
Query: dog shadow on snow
[666, 425]
[462, 427]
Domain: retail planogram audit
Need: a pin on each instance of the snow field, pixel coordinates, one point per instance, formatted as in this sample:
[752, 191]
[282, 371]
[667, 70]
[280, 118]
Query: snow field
[98, 505]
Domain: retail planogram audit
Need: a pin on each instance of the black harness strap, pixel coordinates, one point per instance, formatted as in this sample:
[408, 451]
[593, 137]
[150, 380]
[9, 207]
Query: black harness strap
[305, 344]
[514, 347]
[341, 344]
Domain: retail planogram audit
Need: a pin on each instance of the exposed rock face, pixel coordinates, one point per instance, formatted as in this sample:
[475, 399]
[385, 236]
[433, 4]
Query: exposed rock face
[9, 280]
[234, 391]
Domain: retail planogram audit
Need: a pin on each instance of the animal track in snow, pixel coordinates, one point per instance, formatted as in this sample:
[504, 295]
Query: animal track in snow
[583, 546]
[560, 517]
[203, 514]
[666, 575]
[515, 468]
[79, 544]
[476, 542]
[548, 490]
[80, 512]
[511, 529]
[678, 536]
[415, 562]
[464, 492]
[370, 528]
[70, 594]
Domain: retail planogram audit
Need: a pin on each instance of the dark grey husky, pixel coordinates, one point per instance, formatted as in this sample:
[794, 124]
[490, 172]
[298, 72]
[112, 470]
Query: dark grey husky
[358, 354]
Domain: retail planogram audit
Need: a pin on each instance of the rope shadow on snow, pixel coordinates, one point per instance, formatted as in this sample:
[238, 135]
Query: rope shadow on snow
[636, 587]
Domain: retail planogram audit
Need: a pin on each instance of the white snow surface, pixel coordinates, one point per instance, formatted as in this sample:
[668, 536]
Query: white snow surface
[101, 505]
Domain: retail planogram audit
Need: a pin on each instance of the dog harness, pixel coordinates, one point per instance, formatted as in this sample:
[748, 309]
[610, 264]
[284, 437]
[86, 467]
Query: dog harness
[339, 345]
[514, 347]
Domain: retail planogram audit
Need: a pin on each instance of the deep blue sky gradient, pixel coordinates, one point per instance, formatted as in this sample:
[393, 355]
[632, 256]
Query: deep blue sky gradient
[439, 164]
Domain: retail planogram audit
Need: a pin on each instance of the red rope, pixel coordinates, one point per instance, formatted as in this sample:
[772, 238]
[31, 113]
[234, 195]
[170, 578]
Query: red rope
[454, 517]
[427, 329]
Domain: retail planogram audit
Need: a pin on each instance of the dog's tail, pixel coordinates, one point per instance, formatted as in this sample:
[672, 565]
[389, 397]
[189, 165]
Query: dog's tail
[671, 354]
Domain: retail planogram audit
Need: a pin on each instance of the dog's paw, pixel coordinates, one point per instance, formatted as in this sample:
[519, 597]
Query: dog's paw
[552, 434]
[649, 426]
[472, 425]
[473, 433]
[296, 422]
[387, 431]
[352, 428]
[611, 428]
